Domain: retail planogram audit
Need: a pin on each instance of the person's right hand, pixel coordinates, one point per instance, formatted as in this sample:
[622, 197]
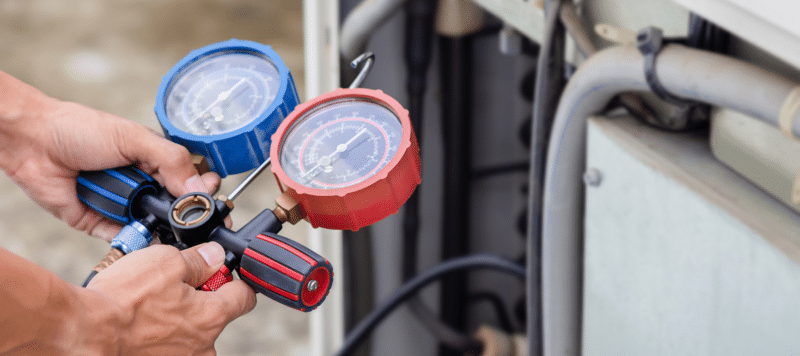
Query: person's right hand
[161, 311]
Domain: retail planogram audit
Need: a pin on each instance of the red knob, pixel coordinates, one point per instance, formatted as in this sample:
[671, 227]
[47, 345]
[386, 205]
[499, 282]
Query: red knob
[218, 279]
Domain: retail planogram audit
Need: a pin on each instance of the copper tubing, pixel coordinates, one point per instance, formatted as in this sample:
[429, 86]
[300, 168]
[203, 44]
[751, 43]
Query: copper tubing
[111, 257]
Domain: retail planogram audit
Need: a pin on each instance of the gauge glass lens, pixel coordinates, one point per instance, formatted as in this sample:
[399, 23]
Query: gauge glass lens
[340, 143]
[221, 92]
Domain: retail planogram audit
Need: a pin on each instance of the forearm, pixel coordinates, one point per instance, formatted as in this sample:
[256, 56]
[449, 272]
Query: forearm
[21, 107]
[42, 314]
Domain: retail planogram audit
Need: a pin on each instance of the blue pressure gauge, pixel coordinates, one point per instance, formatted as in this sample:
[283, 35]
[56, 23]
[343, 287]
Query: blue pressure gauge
[224, 101]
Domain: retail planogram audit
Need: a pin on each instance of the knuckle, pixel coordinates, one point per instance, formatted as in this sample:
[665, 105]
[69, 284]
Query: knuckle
[251, 300]
[166, 252]
[176, 155]
[215, 314]
[171, 258]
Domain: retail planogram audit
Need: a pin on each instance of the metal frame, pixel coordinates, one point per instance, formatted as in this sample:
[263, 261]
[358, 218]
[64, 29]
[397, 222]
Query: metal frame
[321, 43]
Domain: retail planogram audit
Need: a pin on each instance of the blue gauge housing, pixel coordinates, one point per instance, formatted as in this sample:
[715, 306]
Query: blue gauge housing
[247, 146]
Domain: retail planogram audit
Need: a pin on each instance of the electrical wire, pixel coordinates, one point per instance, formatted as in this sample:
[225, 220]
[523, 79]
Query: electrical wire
[500, 169]
[418, 53]
[455, 69]
[549, 83]
[89, 278]
[407, 290]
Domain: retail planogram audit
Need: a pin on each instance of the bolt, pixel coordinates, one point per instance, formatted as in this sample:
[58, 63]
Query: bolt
[312, 285]
[593, 177]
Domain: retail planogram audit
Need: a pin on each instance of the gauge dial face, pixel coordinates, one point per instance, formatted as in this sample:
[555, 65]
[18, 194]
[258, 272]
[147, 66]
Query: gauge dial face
[340, 143]
[221, 92]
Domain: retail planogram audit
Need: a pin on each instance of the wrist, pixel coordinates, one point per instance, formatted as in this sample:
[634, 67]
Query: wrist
[97, 324]
[42, 314]
[21, 109]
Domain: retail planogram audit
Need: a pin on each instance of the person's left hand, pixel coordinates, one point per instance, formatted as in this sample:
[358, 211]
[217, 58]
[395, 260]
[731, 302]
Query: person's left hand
[46, 147]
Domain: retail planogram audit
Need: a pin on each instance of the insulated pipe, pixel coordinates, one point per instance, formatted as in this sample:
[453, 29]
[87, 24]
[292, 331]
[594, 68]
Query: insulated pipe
[572, 21]
[632, 102]
[687, 73]
[362, 22]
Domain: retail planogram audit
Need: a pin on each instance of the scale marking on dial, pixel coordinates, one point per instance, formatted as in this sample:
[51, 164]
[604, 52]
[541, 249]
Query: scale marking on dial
[341, 144]
[224, 101]
[221, 93]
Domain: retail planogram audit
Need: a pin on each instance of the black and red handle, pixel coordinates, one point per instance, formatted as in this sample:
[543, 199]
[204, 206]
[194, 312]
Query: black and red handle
[286, 271]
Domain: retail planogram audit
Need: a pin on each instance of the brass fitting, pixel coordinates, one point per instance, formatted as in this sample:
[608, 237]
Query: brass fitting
[288, 209]
[111, 257]
[200, 164]
[228, 202]
[191, 210]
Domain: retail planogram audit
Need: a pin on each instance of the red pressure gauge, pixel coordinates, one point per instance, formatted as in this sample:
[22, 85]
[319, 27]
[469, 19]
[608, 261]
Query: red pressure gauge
[349, 158]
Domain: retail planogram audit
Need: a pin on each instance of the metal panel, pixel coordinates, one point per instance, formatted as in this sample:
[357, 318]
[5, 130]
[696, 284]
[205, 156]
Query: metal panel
[321, 36]
[771, 25]
[682, 255]
[524, 15]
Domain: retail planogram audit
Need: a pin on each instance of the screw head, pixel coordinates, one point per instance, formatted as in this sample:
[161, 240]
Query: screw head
[312, 285]
[593, 177]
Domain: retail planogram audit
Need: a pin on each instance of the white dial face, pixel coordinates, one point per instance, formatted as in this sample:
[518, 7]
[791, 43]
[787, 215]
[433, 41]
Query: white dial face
[222, 92]
[340, 143]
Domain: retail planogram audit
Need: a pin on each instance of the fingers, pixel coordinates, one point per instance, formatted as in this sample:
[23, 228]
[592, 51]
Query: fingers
[211, 181]
[233, 299]
[172, 161]
[202, 261]
[105, 230]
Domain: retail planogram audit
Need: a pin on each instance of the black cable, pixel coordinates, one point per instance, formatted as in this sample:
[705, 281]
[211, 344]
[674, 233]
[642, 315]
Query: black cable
[423, 279]
[418, 53]
[548, 87]
[501, 169]
[89, 278]
[358, 288]
[455, 54]
[418, 45]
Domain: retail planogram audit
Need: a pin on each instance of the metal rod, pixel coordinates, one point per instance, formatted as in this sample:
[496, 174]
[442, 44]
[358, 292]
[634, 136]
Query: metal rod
[250, 178]
[369, 58]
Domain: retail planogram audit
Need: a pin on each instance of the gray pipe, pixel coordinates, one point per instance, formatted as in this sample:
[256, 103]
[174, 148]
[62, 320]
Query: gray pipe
[362, 22]
[688, 73]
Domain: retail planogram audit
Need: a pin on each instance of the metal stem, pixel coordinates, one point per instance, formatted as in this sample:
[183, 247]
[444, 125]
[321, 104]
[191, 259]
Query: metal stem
[250, 178]
[369, 58]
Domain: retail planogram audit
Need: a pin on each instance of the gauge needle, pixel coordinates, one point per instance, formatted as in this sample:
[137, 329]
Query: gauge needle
[327, 160]
[220, 98]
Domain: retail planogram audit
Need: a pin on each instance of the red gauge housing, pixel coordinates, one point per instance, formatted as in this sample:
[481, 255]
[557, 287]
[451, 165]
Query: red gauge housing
[363, 203]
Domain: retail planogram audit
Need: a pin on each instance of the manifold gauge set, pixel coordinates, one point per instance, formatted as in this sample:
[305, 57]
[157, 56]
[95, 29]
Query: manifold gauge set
[343, 160]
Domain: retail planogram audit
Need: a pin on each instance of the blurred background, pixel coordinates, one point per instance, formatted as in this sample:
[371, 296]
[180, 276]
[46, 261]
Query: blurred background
[111, 55]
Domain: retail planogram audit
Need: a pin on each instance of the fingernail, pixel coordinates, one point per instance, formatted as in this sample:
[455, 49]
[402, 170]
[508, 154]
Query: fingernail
[212, 253]
[195, 184]
[104, 232]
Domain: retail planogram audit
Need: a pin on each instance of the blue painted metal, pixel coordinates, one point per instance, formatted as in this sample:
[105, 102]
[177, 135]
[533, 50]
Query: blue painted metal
[247, 147]
[132, 237]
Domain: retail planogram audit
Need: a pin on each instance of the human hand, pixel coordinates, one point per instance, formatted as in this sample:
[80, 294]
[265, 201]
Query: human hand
[46, 143]
[160, 312]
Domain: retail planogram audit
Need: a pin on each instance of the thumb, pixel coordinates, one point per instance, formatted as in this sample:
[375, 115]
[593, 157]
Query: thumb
[202, 261]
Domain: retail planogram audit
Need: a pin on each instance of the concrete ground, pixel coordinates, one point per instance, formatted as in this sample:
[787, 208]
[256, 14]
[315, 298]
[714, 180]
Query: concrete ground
[110, 55]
